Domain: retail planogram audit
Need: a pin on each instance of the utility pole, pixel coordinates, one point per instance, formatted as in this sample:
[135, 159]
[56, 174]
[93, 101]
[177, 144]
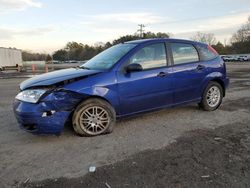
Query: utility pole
[141, 30]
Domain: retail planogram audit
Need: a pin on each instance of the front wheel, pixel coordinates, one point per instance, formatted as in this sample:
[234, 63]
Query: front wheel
[212, 97]
[93, 117]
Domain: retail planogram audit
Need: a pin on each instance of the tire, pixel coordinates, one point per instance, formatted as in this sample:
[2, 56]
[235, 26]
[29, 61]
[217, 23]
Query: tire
[93, 117]
[211, 102]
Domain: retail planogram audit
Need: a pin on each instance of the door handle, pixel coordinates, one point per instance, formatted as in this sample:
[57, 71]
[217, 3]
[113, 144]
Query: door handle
[200, 67]
[162, 74]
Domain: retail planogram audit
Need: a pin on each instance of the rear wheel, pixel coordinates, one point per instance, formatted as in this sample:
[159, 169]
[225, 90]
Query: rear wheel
[212, 97]
[93, 117]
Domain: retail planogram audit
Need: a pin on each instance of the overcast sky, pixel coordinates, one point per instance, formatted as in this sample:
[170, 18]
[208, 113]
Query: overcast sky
[47, 25]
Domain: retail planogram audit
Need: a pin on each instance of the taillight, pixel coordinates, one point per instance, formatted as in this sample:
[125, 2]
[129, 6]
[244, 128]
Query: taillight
[211, 49]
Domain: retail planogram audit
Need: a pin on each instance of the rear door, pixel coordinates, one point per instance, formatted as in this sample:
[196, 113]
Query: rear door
[188, 73]
[150, 88]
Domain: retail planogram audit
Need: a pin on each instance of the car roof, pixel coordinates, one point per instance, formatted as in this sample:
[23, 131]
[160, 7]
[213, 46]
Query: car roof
[144, 41]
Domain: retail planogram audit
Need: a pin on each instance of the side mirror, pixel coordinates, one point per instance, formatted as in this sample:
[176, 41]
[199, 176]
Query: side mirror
[134, 67]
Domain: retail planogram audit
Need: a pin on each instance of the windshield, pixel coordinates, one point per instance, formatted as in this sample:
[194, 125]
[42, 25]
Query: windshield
[106, 59]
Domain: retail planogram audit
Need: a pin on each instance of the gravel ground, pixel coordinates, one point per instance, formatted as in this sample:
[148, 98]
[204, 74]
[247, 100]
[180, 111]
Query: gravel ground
[25, 157]
[200, 158]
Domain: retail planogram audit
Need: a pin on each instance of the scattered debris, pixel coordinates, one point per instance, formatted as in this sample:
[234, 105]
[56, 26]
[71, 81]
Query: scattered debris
[26, 181]
[92, 169]
[205, 176]
[134, 163]
[217, 138]
[107, 185]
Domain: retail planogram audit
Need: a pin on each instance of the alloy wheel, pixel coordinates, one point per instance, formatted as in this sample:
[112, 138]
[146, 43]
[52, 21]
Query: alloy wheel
[213, 96]
[94, 120]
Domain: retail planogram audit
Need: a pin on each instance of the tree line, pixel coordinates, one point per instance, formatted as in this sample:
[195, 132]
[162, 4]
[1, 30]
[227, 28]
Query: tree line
[29, 56]
[239, 43]
[80, 52]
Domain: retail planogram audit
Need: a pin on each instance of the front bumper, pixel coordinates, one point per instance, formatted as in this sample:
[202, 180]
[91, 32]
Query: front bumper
[31, 118]
[49, 115]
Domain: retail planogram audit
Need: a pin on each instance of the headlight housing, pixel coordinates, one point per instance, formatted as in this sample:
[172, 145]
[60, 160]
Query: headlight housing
[31, 95]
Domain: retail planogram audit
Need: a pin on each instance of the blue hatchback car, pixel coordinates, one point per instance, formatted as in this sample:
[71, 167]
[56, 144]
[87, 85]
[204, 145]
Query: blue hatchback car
[126, 79]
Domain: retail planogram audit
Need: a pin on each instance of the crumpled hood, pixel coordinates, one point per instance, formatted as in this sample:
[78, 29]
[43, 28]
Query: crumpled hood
[56, 77]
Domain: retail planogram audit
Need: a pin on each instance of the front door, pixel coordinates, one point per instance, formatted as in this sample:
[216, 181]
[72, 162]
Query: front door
[149, 88]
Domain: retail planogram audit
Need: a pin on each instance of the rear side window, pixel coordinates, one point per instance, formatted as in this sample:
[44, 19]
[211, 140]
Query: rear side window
[207, 52]
[151, 56]
[184, 53]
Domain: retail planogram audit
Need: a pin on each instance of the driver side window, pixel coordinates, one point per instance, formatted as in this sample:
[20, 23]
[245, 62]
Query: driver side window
[151, 56]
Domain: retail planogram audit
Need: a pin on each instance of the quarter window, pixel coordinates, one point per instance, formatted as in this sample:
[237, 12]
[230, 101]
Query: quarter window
[207, 52]
[151, 56]
[184, 53]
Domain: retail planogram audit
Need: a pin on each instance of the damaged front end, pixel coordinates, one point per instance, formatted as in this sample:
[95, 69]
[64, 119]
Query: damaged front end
[44, 104]
[50, 113]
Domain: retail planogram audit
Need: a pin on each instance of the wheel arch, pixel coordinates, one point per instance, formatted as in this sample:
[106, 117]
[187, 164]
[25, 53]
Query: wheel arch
[86, 96]
[98, 97]
[214, 77]
[94, 97]
[219, 81]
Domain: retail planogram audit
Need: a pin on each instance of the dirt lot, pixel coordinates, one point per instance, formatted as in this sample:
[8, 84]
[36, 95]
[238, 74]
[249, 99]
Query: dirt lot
[181, 147]
[200, 158]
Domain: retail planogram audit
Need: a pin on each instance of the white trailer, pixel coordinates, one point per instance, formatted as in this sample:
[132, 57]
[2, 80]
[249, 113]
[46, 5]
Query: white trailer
[10, 57]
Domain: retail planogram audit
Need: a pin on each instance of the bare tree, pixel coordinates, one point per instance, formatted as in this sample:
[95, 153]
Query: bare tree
[243, 34]
[208, 38]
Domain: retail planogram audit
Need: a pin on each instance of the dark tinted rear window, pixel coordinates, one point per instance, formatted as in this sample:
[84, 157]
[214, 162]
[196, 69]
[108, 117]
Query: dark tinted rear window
[207, 52]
